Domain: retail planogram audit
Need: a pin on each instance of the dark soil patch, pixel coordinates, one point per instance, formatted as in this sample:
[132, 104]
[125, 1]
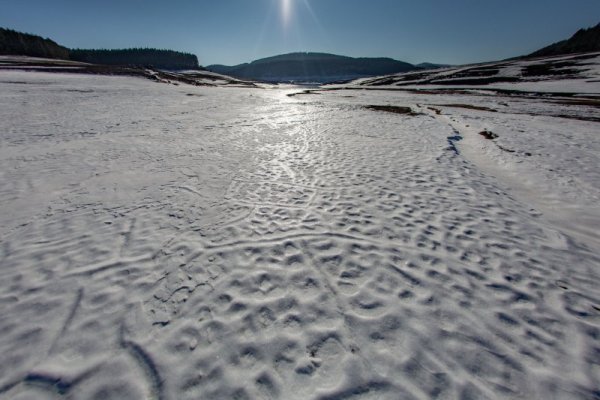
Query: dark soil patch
[435, 91]
[468, 106]
[96, 69]
[476, 72]
[492, 136]
[579, 102]
[383, 82]
[423, 91]
[550, 69]
[505, 149]
[480, 81]
[19, 83]
[576, 117]
[303, 92]
[403, 78]
[489, 135]
[393, 109]
[584, 57]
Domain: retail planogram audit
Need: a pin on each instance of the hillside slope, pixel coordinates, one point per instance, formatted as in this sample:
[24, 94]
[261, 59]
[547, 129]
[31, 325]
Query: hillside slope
[312, 67]
[585, 40]
[558, 74]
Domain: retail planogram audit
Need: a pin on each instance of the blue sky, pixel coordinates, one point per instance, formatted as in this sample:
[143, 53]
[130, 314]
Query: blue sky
[235, 31]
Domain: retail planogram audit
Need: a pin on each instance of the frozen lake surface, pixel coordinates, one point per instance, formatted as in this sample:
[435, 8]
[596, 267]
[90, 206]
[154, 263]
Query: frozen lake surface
[180, 242]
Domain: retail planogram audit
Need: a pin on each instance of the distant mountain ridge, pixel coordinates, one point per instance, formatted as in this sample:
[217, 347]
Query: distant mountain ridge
[312, 67]
[583, 41]
[427, 65]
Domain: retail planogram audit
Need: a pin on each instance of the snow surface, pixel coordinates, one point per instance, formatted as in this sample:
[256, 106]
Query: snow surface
[182, 242]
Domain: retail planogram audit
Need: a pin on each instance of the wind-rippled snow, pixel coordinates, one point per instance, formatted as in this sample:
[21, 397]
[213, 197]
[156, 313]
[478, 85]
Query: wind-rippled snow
[176, 242]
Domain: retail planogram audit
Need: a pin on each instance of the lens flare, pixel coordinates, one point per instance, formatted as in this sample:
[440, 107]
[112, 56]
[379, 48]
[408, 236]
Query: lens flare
[286, 12]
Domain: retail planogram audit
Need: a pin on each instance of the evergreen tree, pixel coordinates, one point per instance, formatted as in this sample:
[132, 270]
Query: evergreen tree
[17, 43]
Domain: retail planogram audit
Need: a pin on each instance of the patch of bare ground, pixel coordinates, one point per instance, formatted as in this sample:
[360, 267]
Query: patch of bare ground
[439, 91]
[551, 69]
[577, 117]
[578, 102]
[474, 81]
[303, 92]
[488, 135]
[393, 109]
[61, 66]
[493, 136]
[572, 102]
[467, 106]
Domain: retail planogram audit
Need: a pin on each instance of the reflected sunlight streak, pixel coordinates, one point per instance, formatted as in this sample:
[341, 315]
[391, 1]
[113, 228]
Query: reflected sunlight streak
[286, 12]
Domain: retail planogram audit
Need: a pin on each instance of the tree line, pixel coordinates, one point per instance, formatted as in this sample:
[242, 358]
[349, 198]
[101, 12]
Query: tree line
[143, 57]
[18, 43]
[24, 44]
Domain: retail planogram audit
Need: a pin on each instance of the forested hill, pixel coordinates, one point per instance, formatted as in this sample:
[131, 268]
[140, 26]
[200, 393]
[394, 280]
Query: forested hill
[312, 67]
[24, 44]
[163, 59]
[18, 43]
[585, 40]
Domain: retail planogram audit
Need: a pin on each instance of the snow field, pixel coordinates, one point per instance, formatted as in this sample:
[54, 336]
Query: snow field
[175, 242]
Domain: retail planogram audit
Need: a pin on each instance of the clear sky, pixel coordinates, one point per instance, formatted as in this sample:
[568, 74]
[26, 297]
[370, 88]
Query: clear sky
[236, 31]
